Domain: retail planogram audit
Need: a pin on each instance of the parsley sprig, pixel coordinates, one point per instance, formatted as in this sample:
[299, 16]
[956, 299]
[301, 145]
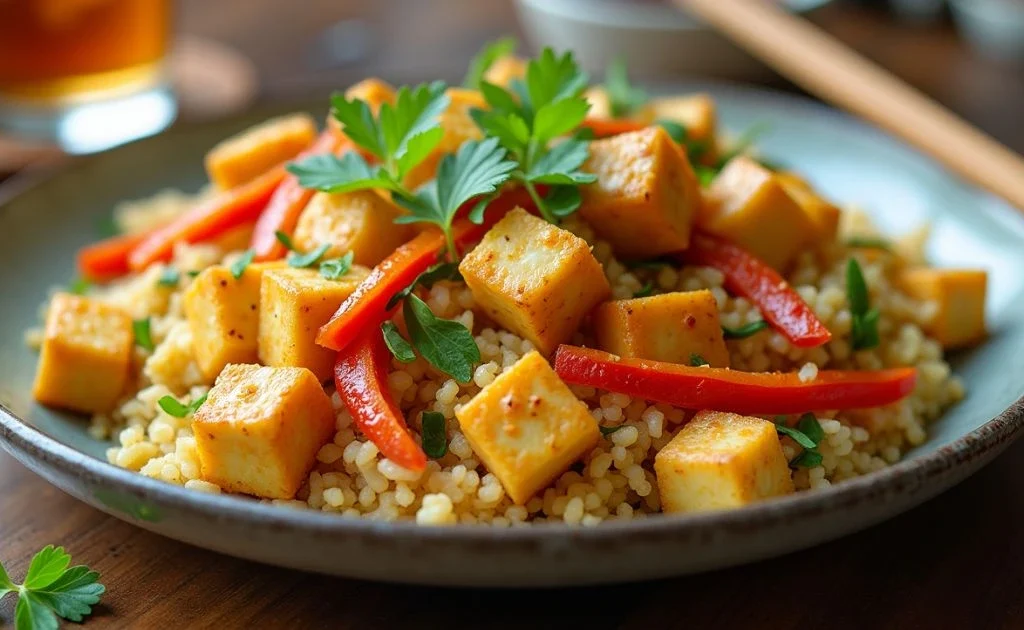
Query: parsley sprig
[52, 589]
[808, 434]
[623, 97]
[525, 120]
[435, 434]
[744, 331]
[864, 333]
[174, 407]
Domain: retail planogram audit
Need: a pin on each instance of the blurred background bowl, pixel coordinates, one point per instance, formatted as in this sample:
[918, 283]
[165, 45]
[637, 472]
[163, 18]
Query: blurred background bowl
[655, 38]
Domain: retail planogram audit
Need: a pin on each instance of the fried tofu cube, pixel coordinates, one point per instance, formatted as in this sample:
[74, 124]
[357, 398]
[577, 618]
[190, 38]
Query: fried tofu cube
[260, 429]
[528, 427]
[646, 195]
[505, 69]
[458, 127]
[670, 327]
[695, 112]
[243, 157]
[535, 279]
[750, 207]
[294, 304]
[361, 222]
[824, 216]
[224, 313]
[85, 359]
[960, 297]
[373, 91]
[721, 460]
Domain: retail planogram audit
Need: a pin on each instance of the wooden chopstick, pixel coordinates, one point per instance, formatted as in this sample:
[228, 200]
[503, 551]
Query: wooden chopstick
[830, 70]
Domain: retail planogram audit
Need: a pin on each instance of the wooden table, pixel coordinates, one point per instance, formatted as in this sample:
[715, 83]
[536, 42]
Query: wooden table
[955, 562]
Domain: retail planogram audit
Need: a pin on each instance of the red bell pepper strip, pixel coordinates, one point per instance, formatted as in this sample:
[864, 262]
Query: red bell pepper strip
[746, 275]
[722, 389]
[605, 128]
[108, 259]
[367, 306]
[209, 219]
[289, 200]
[361, 378]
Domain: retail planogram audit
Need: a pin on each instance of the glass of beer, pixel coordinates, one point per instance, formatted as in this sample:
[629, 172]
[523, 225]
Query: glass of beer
[86, 74]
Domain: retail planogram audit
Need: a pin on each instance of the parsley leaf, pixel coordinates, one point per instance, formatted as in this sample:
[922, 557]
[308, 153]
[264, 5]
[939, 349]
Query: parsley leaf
[562, 201]
[674, 128]
[606, 431]
[623, 97]
[645, 290]
[435, 434]
[810, 427]
[51, 589]
[705, 175]
[797, 435]
[481, 63]
[301, 261]
[864, 333]
[745, 330]
[447, 345]
[169, 277]
[396, 343]
[808, 432]
[336, 268]
[333, 174]
[561, 165]
[435, 273]
[176, 408]
[238, 267]
[79, 286]
[807, 459]
[141, 331]
[697, 361]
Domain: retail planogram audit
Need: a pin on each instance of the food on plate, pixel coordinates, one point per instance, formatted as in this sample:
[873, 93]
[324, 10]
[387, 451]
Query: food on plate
[525, 299]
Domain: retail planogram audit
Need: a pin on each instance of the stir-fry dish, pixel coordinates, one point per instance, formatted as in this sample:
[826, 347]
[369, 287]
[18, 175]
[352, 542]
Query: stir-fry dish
[529, 298]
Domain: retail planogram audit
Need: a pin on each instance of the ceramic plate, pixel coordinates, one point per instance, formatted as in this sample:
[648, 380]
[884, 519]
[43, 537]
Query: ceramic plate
[43, 224]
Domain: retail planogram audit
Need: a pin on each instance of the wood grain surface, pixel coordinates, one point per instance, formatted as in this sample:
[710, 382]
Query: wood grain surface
[955, 562]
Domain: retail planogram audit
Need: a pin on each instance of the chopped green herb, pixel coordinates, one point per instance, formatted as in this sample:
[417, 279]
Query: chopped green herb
[864, 333]
[238, 267]
[705, 175]
[623, 97]
[436, 273]
[798, 436]
[79, 286]
[606, 431]
[697, 361]
[396, 343]
[435, 435]
[284, 239]
[107, 226]
[810, 427]
[675, 129]
[808, 459]
[169, 277]
[447, 345]
[745, 330]
[484, 59]
[143, 338]
[173, 407]
[301, 261]
[193, 273]
[867, 242]
[645, 290]
[336, 268]
[52, 589]
[648, 264]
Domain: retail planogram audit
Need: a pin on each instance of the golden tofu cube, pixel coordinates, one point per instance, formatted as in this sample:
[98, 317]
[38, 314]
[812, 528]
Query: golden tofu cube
[245, 156]
[260, 429]
[361, 222]
[528, 427]
[505, 69]
[670, 327]
[646, 195]
[960, 297]
[535, 279]
[85, 359]
[750, 207]
[294, 304]
[824, 216]
[458, 127]
[373, 91]
[695, 112]
[224, 313]
[721, 460]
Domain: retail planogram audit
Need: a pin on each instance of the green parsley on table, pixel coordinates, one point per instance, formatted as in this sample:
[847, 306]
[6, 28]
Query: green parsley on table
[623, 97]
[484, 59]
[238, 267]
[396, 343]
[141, 331]
[745, 330]
[52, 589]
[176, 408]
[864, 333]
[336, 268]
[435, 435]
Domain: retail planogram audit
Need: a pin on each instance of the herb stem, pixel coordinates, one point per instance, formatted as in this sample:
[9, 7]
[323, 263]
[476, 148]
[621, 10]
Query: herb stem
[544, 212]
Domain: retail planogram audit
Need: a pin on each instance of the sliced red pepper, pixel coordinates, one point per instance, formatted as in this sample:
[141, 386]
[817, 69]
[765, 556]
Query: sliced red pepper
[108, 259]
[367, 306]
[361, 378]
[210, 219]
[605, 128]
[746, 275]
[722, 389]
[289, 200]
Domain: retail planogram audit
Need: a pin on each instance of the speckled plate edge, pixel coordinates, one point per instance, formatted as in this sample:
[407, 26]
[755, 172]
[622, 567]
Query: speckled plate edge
[541, 555]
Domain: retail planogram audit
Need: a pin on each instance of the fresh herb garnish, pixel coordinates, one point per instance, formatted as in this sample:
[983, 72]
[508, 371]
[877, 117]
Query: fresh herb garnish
[396, 343]
[238, 267]
[435, 435]
[808, 434]
[623, 97]
[864, 333]
[807, 459]
[867, 242]
[435, 273]
[606, 431]
[645, 290]
[447, 345]
[192, 273]
[675, 129]
[169, 277]
[176, 408]
[79, 286]
[482, 62]
[52, 589]
[697, 361]
[548, 104]
[284, 239]
[705, 175]
[301, 261]
[336, 268]
[647, 264]
[745, 330]
[143, 337]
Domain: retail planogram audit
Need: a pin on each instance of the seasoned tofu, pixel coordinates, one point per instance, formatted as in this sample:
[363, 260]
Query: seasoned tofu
[458, 127]
[505, 69]
[86, 355]
[527, 427]
[223, 313]
[960, 297]
[749, 206]
[535, 279]
[646, 195]
[670, 327]
[695, 112]
[823, 215]
[260, 429]
[294, 304]
[361, 222]
[245, 156]
[721, 460]
[373, 91]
